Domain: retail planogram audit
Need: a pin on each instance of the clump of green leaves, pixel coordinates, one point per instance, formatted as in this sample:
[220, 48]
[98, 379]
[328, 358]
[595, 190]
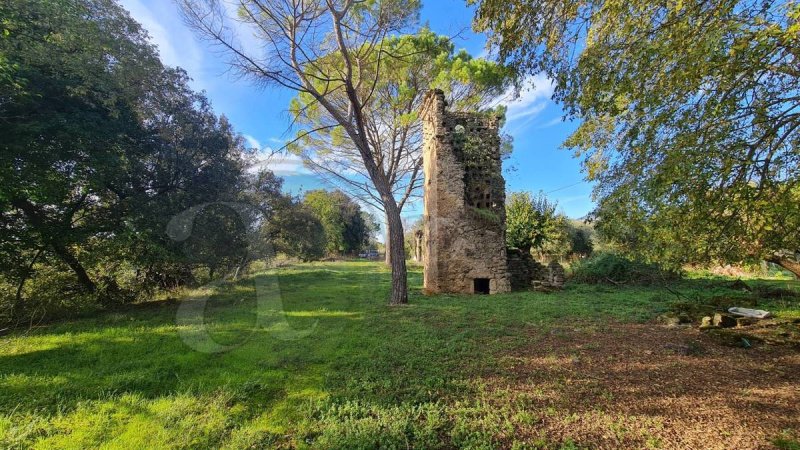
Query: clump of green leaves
[531, 221]
[609, 268]
[348, 228]
[102, 146]
[689, 112]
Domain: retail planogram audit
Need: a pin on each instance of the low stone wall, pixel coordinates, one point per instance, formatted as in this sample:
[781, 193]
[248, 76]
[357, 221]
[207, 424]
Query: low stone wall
[526, 273]
[523, 269]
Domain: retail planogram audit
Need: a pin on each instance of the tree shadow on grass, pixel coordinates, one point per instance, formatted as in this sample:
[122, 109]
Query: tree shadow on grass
[631, 385]
[141, 352]
[383, 362]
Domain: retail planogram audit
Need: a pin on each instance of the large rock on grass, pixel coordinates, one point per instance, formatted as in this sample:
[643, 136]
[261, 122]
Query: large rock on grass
[724, 320]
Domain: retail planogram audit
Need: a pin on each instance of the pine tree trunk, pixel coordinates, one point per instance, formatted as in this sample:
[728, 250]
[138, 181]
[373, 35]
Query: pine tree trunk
[396, 253]
[418, 246]
[387, 244]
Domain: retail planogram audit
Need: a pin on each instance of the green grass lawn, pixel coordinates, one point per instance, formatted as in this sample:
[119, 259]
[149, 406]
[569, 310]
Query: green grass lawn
[326, 364]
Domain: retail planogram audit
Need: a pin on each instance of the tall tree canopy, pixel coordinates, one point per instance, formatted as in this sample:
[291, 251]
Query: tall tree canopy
[418, 62]
[287, 225]
[101, 146]
[690, 116]
[347, 228]
[67, 107]
[531, 221]
[299, 41]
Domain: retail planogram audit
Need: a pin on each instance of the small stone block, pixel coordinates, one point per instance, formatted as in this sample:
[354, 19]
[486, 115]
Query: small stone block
[724, 321]
[746, 321]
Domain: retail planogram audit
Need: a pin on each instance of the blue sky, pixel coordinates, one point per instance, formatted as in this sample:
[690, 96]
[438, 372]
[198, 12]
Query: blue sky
[537, 163]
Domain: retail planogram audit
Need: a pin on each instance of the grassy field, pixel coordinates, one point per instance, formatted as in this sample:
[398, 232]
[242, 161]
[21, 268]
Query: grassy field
[326, 364]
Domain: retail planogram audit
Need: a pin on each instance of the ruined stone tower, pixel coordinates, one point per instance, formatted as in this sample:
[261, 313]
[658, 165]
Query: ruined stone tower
[464, 217]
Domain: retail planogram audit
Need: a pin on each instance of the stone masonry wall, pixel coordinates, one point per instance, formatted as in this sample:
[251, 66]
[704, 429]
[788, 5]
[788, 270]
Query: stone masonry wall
[524, 270]
[464, 216]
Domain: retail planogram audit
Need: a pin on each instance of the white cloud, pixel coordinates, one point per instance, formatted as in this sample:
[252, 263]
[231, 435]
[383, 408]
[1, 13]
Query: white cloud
[532, 100]
[246, 34]
[551, 122]
[279, 163]
[176, 44]
[252, 142]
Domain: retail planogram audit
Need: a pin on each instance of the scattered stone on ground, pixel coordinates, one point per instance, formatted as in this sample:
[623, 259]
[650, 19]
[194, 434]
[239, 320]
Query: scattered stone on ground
[556, 275]
[746, 321]
[775, 331]
[723, 320]
[674, 320]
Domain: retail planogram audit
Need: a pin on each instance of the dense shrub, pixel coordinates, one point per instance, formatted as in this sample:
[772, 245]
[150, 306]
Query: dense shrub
[55, 295]
[615, 269]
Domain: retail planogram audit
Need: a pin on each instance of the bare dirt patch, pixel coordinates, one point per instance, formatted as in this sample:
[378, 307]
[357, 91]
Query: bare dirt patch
[649, 386]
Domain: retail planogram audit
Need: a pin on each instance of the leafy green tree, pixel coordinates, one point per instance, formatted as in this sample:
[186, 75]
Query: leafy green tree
[558, 241]
[581, 242]
[327, 209]
[299, 42]
[690, 116]
[297, 232]
[288, 226]
[68, 117]
[101, 146]
[359, 227]
[531, 221]
[346, 229]
[219, 240]
[193, 158]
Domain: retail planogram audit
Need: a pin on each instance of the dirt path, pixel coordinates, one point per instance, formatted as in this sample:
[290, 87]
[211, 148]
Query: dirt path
[648, 386]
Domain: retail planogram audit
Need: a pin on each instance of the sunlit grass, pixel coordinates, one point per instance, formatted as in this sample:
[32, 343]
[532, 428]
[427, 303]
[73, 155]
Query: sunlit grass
[363, 374]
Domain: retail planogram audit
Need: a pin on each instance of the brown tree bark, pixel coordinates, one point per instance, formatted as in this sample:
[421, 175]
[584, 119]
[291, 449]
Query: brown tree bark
[788, 264]
[418, 242]
[387, 242]
[69, 259]
[52, 241]
[21, 285]
[396, 250]
[357, 39]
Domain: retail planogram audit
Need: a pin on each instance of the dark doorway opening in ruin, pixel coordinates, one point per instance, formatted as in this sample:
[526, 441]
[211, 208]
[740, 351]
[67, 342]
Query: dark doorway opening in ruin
[481, 286]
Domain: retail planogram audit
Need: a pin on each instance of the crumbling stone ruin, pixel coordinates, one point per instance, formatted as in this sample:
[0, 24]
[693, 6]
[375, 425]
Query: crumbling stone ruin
[524, 270]
[464, 230]
[555, 275]
[418, 235]
[464, 215]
